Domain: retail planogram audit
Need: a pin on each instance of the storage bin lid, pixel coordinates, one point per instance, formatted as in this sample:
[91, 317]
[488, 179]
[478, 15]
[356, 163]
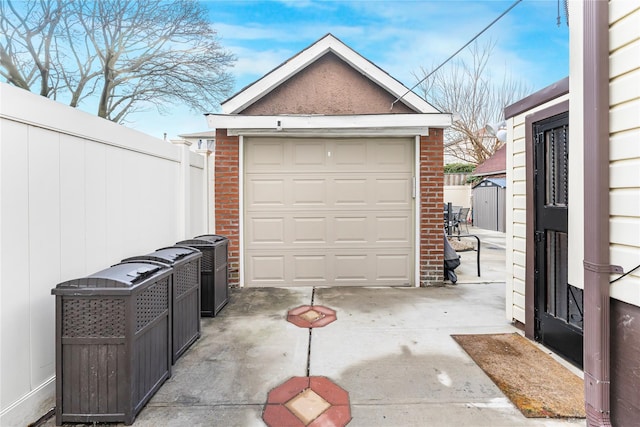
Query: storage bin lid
[125, 275]
[212, 237]
[173, 255]
[204, 240]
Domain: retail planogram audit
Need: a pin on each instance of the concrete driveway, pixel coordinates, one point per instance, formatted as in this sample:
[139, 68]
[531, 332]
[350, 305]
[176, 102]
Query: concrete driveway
[389, 348]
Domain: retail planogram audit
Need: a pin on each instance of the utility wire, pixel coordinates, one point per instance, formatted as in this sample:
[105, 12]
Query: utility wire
[457, 52]
[625, 274]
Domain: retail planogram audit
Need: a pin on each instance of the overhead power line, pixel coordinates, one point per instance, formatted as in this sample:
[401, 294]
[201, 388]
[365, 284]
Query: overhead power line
[457, 52]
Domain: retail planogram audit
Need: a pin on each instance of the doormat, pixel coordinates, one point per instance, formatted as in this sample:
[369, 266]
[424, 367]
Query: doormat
[539, 386]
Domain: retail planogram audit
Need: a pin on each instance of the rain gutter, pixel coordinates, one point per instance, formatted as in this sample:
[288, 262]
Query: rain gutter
[597, 267]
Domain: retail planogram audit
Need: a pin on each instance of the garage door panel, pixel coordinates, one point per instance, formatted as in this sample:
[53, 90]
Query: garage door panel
[342, 267]
[393, 229]
[393, 191]
[309, 192]
[352, 154]
[266, 230]
[309, 230]
[311, 153]
[267, 268]
[349, 192]
[395, 155]
[349, 268]
[392, 267]
[334, 212]
[351, 229]
[309, 268]
[266, 192]
[267, 156]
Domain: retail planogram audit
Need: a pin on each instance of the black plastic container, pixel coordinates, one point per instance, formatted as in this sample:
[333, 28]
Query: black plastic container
[214, 271]
[113, 342]
[185, 294]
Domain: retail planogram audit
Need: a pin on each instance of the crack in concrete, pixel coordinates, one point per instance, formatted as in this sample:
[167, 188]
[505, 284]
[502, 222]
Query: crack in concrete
[313, 295]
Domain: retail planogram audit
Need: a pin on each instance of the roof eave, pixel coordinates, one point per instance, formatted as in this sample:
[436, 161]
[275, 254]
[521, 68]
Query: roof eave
[374, 124]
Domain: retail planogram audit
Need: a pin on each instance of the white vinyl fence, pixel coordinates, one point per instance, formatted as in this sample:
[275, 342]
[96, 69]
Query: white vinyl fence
[77, 194]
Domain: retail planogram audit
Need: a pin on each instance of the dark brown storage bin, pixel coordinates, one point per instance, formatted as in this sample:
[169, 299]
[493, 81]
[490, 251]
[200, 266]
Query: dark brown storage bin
[113, 342]
[185, 297]
[215, 271]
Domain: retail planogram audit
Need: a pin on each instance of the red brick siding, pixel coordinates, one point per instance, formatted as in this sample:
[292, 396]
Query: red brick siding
[227, 197]
[431, 202]
[227, 203]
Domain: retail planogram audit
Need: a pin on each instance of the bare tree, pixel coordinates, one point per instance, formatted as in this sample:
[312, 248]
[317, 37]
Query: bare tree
[127, 54]
[76, 60]
[467, 90]
[26, 35]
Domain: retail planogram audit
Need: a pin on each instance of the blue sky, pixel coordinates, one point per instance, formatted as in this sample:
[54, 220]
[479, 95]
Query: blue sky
[400, 36]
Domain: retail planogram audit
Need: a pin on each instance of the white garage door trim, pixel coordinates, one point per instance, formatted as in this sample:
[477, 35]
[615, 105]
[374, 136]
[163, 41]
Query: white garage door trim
[417, 209]
[241, 207]
[412, 238]
[416, 223]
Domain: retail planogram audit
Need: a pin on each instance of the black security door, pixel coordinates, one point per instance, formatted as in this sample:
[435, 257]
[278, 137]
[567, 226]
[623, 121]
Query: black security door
[559, 306]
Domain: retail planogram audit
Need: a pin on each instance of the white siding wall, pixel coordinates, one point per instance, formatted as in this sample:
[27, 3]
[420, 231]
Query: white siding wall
[77, 194]
[575, 256]
[624, 70]
[516, 212]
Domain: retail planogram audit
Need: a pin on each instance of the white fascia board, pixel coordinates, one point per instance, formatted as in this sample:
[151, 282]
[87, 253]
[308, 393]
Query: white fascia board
[388, 124]
[332, 133]
[329, 43]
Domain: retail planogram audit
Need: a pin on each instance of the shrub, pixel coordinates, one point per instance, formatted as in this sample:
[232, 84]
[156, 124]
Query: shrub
[459, 168]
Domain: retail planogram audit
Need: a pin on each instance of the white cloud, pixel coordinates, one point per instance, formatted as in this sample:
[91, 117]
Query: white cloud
[249, 31]
[252, 64]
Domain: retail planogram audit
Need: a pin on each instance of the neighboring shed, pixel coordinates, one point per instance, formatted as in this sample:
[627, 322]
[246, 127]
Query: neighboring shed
[489, 204]
[322, 178]
[489, 194]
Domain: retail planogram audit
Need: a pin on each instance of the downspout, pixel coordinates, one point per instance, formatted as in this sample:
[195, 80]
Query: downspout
[597, 268]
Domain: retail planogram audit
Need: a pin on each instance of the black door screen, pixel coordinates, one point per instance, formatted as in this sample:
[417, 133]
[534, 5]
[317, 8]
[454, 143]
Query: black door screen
[558, 305]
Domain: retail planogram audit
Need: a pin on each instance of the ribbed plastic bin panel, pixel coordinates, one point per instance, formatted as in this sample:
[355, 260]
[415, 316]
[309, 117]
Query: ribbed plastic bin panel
[113, 342]
[214, 271]
[185, 295]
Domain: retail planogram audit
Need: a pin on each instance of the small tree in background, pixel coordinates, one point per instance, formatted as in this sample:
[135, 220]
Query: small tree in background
[126, 54]
[467, 90]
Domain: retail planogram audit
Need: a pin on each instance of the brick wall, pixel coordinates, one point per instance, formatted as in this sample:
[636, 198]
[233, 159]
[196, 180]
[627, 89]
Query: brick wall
[227, 197]
[431, 203]
[431, 199]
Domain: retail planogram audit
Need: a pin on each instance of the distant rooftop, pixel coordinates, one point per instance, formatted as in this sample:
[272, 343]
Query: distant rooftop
[494, 165]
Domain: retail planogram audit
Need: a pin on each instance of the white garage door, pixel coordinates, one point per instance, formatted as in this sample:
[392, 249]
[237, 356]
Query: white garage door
[328, 211]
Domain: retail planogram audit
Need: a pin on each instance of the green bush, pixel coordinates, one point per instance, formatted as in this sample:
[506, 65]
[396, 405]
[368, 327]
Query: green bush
[459, 168]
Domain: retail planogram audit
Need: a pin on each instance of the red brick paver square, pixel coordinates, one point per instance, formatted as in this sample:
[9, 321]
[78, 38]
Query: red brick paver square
[296, 403]
[311, 316]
